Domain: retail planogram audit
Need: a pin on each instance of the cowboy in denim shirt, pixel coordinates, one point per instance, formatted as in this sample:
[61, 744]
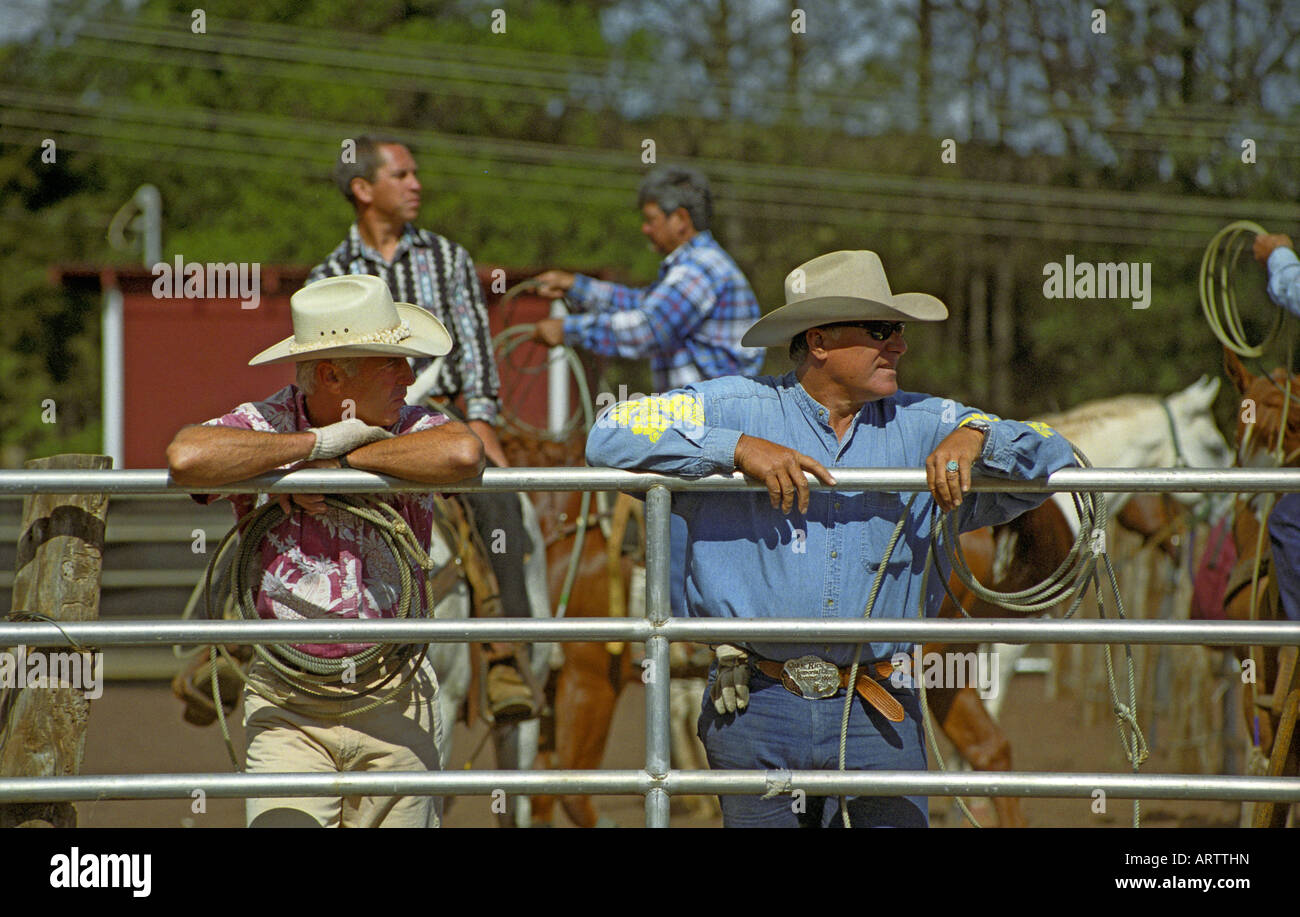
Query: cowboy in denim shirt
[793, 553]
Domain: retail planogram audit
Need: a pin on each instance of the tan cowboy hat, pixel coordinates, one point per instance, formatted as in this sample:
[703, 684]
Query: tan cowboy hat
[355, 316]
[839, 287]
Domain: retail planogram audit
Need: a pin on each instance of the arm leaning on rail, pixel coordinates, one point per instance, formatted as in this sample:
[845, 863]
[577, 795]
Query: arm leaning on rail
[211, 455]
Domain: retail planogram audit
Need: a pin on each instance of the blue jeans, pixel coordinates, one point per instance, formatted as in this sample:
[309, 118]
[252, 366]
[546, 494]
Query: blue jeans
[1284, 536]
[677, 535]
[782, 731]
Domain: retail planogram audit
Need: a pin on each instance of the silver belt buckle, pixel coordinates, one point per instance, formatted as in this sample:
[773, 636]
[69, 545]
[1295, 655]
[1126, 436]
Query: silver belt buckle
[815, 678]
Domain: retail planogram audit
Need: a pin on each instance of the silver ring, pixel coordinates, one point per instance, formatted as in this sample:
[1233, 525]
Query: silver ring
[951, 467]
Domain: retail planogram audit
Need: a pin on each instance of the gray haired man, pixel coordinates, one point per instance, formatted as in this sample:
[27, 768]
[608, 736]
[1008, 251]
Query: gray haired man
[690, 320]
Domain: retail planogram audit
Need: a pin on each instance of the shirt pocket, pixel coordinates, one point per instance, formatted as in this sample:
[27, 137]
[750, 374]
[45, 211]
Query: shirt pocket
[882, 512]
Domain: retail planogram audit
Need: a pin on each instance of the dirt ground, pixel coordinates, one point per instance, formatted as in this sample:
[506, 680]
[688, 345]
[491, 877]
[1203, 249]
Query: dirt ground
[136, 727]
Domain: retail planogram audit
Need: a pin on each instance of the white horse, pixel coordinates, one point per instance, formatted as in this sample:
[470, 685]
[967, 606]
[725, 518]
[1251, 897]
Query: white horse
[1143, 431]
[1129, 431]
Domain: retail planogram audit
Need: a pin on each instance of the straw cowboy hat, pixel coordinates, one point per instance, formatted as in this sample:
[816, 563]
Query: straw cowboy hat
[839, 287]
[355, 316]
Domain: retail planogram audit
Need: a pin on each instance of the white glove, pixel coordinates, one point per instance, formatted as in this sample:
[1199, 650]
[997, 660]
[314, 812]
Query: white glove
[730, 690]
[342, 437]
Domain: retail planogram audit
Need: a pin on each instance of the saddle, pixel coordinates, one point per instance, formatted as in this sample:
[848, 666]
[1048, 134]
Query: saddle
[1243, 568]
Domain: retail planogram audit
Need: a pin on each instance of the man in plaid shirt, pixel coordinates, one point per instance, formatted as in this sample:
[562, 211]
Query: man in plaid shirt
[690, 320]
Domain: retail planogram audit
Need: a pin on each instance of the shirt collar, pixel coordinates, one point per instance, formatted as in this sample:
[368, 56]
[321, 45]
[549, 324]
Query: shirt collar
[678, 253]
[811, 407]
[820, 415]
[410, 238]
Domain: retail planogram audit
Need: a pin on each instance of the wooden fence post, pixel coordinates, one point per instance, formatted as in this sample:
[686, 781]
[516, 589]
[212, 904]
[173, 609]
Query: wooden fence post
[60, 556]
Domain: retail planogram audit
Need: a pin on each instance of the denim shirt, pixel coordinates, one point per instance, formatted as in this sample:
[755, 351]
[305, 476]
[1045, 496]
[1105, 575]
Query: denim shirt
[748, 560]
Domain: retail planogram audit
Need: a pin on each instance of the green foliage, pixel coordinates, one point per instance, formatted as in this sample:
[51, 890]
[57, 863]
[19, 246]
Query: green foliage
[529, 145]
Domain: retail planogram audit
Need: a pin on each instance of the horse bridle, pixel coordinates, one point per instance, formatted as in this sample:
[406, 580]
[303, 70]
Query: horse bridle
[1180, 458]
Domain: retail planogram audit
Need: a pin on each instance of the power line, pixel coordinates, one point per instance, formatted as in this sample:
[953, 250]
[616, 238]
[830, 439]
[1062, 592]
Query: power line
[478, 80]
[645, 72]
[524, 183]
[1124, 208]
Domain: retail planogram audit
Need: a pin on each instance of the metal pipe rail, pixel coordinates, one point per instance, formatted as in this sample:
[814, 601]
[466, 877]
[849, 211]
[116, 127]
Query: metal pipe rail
[657, 630]
[333, 480]
[689, 630]
[638, 782]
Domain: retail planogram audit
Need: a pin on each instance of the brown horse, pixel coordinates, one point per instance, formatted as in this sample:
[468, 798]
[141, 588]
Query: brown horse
[1251, 592]
[584, 691]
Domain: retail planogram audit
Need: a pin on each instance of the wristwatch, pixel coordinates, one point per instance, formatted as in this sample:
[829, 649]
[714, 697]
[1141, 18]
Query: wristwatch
[983, 427]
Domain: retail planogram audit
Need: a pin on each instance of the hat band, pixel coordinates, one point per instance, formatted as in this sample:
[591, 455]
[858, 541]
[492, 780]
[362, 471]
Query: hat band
[382, 336]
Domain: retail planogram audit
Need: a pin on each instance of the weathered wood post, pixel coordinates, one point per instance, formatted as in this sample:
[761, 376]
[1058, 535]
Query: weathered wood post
[60, 555]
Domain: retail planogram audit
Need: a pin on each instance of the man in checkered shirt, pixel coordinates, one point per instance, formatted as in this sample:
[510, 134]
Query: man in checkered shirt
[690, 320]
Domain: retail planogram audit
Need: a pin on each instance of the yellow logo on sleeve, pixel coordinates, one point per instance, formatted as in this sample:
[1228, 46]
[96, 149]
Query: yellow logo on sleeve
[1037, 426]
[651, 416]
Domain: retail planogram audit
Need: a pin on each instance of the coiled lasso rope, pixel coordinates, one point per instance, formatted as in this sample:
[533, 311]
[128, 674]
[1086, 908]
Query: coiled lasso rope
[311, 675]
[505, 344]
[583, 419]
[1069, 581]
[1217, 288]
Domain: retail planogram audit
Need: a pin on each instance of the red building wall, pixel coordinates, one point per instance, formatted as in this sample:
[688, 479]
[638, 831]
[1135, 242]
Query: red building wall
[186, 360]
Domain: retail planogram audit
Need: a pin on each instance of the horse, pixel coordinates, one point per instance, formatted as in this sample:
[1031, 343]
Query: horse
[1251, 591]
[1127, 431]
[584, 689]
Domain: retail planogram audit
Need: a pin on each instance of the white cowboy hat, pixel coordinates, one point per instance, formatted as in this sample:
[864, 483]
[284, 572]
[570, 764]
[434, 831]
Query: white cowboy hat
[355, 316]
[839, 287]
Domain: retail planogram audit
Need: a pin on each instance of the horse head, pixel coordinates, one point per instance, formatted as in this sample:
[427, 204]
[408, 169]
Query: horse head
[1259, 419]
[1199, 443]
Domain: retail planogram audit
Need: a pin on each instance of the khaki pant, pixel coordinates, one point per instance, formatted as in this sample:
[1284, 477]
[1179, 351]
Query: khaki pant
[402, 734]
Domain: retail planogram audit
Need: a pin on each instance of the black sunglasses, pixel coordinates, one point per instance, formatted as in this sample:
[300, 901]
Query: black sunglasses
[879, 330]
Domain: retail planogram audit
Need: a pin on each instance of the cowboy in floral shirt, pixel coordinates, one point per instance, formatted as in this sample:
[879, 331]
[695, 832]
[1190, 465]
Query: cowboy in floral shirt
[347, 409]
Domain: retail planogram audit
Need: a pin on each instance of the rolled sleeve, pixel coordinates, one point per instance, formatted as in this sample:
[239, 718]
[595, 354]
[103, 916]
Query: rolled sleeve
[665, 433]
[1016, 450]
[591, 295]
[1284, 279]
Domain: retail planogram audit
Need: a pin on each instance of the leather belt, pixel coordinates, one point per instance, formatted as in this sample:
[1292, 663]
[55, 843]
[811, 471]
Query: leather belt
[809, 676]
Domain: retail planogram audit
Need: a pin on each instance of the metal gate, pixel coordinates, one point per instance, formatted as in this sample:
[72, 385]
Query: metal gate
[657, 782]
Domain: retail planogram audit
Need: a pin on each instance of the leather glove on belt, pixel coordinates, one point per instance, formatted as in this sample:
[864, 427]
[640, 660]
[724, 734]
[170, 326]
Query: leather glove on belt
[342, 437]
[730, 689]
[870, 675]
